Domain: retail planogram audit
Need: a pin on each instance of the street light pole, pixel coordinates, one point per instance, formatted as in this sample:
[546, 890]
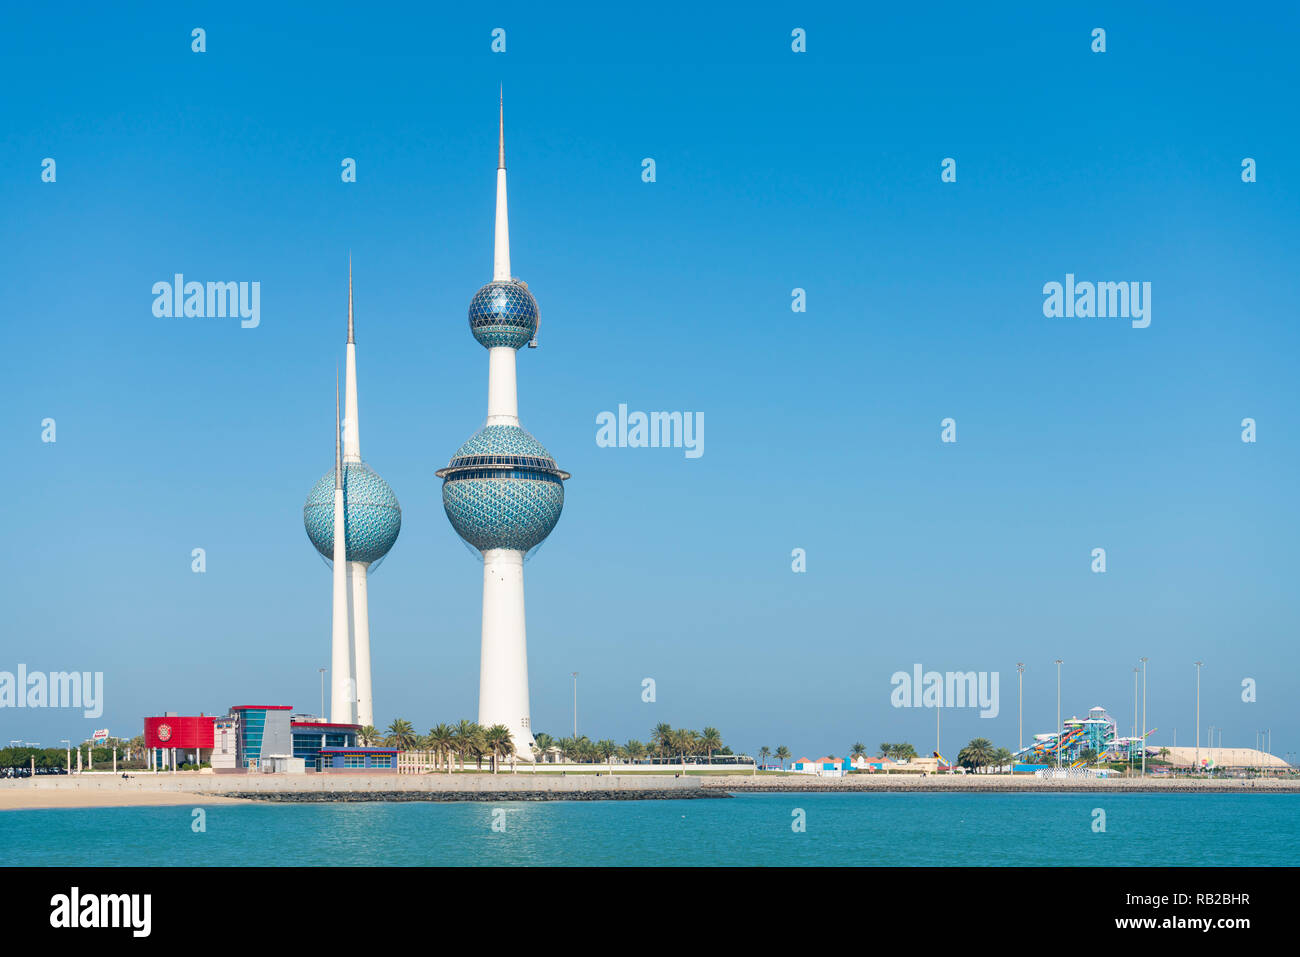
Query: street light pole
[69, 744]
[1058, 713]
[1198, 713]
[574, 674]
[1020, 709]
[1144, 716]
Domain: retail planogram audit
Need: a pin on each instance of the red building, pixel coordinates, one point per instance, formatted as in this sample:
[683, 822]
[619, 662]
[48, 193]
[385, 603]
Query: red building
[174, 739]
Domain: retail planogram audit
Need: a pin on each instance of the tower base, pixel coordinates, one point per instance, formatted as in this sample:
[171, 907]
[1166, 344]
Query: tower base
[503, 667]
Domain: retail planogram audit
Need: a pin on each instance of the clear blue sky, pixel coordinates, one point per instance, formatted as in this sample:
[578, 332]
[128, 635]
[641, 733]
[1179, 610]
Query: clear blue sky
[775, 170]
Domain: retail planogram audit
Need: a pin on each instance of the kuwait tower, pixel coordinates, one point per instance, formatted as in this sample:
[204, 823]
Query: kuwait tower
[502, 490]
[354, 499]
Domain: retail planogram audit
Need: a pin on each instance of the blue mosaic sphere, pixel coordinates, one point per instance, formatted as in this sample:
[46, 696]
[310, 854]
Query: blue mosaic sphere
[371, 516]
[503, 313]
[502, 489]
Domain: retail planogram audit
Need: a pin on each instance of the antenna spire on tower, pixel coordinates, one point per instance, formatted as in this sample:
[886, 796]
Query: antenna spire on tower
[501, 128]
[501, 244]
[350, 339]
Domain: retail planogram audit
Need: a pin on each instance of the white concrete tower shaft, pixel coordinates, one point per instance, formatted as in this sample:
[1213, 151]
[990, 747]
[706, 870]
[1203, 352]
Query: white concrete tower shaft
[359, 608]
[503, 397]
[341, 681]
[503, 662]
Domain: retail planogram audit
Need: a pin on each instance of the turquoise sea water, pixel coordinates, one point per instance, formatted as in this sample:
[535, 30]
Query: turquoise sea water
[755, 829]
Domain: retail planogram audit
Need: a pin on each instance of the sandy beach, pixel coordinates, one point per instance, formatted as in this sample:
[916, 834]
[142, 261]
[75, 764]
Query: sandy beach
[194, 789]
[14, 799]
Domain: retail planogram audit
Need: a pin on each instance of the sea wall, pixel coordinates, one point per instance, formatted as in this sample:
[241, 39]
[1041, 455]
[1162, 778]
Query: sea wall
[360, 786]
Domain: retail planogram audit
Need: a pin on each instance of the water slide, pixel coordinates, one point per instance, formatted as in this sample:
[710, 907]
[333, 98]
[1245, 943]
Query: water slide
[944, 764]
[1049, 746]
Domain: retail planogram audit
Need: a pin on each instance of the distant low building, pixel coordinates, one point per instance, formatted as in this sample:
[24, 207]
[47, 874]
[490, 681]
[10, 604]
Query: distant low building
[357, 759]
[249, 738]
[828, 767]
[864, 763]
[173, 739]
[1210, 758]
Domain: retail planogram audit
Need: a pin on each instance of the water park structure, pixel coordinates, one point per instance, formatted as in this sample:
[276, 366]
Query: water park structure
[1098, 733]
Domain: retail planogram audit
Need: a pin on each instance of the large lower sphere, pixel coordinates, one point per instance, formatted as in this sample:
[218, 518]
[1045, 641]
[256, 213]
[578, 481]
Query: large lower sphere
[503, 490]
[371, 516]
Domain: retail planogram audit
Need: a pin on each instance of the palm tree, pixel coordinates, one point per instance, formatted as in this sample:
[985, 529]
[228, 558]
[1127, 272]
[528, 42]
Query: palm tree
[903, 752]
[543, 741]
[977, 754]
[401, 735]
[710, 741]
[661, 737]
[782, 754]
[1002, 758]
[683, 742]
[442, 739]
[631, 752]
[478, 744]
[858, 750]
[497, 741]
[468, 738]
[369, 736]
[764, 752]
[607, 749]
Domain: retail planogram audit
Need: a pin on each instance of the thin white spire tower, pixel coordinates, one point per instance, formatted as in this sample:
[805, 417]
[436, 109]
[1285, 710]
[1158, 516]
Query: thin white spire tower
[354, 527]
[357, 571]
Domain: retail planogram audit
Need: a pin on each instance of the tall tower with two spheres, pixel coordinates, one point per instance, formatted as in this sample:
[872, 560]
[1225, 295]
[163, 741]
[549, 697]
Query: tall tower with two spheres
[502, 490]
[353, 498]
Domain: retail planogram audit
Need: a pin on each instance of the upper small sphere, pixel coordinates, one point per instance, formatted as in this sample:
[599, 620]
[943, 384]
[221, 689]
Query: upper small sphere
[371, 516]
[503, 313]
